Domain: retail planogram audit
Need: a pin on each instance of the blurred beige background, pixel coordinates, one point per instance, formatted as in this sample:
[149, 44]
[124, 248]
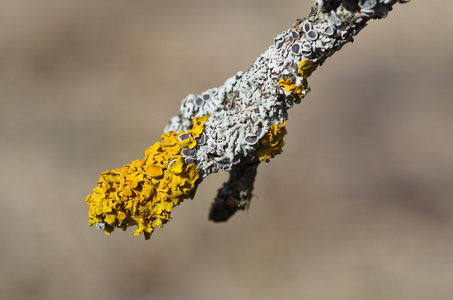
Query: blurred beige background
[359, 205]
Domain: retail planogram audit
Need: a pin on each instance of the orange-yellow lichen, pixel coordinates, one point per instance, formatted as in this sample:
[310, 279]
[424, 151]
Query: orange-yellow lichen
[144, 192]
[198, 126]
[288, 84]
[272, 143]
[305, 69]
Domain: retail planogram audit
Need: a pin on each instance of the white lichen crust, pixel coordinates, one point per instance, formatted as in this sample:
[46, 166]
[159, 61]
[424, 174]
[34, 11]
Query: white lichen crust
[245, 107]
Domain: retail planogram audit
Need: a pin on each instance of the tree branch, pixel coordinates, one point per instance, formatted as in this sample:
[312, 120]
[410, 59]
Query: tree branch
[233, 128]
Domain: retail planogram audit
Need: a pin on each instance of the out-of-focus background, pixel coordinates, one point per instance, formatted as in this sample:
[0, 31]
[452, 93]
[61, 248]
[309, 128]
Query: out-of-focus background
[359, 205]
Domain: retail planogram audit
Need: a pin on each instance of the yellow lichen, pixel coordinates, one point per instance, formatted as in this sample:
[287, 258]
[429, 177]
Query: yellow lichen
[305, 69]
[272, 143]
[144, 192]
[288, 84]
[198, 126]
